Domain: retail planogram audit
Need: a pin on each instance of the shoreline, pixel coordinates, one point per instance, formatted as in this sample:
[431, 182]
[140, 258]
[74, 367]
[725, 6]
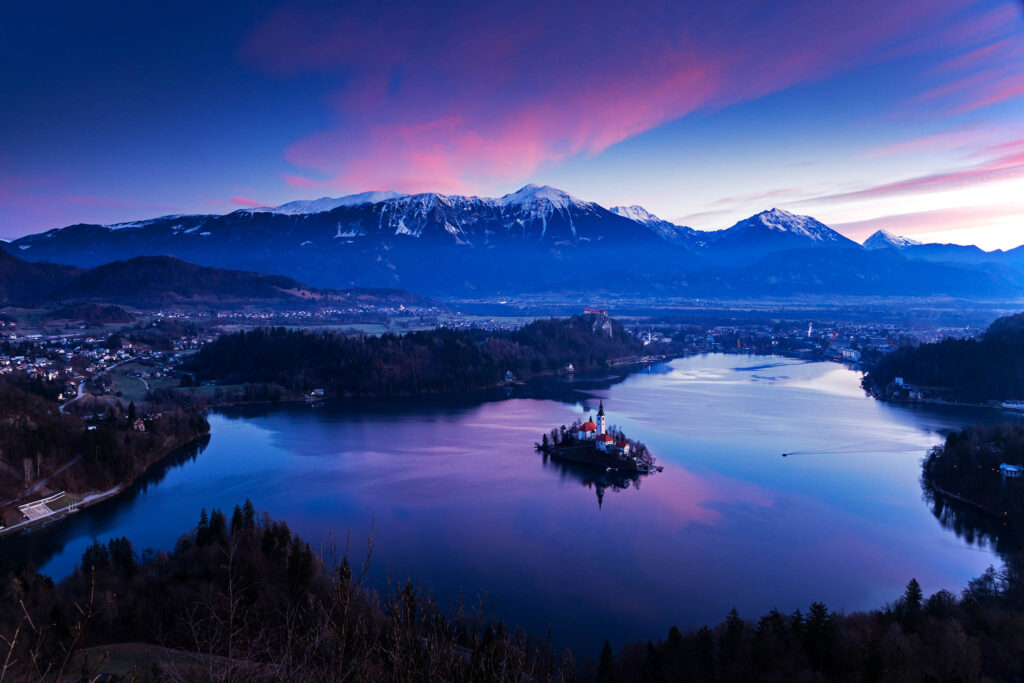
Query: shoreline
[935, 402]
[966, 501]
[301, 397]
[93, 497]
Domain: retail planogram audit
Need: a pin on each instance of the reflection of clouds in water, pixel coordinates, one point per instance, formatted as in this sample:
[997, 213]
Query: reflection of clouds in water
[836, 379]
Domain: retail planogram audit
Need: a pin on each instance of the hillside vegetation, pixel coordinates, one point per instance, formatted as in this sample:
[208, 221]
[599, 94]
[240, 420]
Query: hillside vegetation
[988, 368]
[242, 597]
[418, 362]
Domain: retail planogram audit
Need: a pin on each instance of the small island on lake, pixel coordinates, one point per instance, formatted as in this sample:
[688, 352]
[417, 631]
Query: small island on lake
[594, 444]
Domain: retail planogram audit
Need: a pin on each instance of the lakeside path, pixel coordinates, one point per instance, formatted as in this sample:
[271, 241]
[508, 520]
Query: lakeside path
[63, 512]
[41, 483]
[91, 498]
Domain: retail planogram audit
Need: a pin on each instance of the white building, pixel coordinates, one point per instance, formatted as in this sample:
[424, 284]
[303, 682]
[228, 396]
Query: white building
[1011, 471]
[588, 430]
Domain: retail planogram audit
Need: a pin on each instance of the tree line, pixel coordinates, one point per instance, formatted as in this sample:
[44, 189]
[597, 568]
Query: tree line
[37, 440]
[417, 362]
[990, 367]
[247, 599]
[967, 465]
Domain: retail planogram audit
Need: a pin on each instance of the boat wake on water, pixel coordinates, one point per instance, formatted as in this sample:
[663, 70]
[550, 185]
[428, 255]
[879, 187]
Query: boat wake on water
[848, 450]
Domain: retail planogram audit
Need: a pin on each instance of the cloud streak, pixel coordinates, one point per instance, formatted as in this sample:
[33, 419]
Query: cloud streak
[937, 220]
[461, 97]
[1004, 162]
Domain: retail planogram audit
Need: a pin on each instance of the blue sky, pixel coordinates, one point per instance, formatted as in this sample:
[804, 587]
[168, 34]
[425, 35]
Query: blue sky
[906, 116]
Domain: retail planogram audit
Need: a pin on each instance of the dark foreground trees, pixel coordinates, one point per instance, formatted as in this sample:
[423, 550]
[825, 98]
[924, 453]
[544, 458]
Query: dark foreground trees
[242, 598]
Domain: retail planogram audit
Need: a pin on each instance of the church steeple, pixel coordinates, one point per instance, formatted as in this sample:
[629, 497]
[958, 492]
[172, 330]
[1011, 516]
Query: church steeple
[600, 420]
[600, 410]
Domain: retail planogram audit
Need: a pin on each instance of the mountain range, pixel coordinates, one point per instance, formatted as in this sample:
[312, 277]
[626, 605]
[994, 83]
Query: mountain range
[538, 239]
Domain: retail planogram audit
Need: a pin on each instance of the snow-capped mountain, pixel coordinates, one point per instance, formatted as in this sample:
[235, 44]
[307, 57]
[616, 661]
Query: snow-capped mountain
[670, 232]
[883, 239]
[771, 231]
[776, 222]
[538, 238]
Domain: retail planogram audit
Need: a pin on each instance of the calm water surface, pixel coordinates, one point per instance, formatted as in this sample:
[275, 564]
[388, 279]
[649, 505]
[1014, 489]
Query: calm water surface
[458, 497]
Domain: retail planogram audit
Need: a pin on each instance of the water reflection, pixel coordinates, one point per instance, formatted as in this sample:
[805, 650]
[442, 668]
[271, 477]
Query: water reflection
[593, 478]
[979, 528]
[459, 498]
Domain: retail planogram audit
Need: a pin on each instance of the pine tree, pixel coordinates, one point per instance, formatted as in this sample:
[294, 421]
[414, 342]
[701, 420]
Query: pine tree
[237, 523]
[605, 663]
[249, 515]
[203, 529]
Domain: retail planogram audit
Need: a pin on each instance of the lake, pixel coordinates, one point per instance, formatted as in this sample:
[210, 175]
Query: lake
[457, 497]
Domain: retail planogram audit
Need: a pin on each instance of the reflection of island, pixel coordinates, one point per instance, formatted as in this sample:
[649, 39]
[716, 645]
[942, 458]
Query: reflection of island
[594, 478]
[593, 444]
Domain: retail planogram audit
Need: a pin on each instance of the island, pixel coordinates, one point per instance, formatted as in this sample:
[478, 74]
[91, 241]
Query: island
[596, 445]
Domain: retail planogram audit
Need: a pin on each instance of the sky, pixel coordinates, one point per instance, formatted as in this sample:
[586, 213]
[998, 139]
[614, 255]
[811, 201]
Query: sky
[905, 116]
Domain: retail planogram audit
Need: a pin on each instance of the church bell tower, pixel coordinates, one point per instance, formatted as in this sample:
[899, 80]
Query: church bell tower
[600, 420]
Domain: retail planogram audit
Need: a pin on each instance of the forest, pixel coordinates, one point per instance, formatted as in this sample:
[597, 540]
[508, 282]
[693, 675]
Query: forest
[36, 439]
[967, 465]
[243, 598]
[973, 370]
[414, 363]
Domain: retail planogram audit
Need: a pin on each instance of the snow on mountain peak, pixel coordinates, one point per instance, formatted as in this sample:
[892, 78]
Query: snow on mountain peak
[305, 206]
[883, 238]
[533, 194]
[636, 213]
[778, 220]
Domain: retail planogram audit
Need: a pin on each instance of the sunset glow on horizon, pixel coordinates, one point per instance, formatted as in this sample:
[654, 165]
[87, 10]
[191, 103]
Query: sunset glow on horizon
[907, 117]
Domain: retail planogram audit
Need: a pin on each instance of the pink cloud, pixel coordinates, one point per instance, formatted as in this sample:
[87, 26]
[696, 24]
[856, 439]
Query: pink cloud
[1006, 163]
[937, 220]
[467, 96]
[294, 180]
[245, 201]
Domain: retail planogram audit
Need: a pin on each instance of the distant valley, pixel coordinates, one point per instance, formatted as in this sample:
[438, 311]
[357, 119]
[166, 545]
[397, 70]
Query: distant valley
[538, 239]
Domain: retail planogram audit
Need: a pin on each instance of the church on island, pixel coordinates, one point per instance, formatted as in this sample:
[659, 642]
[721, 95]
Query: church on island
[592, 443]
[598, 433]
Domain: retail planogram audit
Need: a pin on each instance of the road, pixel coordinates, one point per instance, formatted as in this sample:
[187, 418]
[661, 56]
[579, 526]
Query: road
[81, 385]
[81, 390]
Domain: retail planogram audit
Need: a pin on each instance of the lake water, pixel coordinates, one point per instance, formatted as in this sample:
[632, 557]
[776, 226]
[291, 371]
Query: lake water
[458, 497]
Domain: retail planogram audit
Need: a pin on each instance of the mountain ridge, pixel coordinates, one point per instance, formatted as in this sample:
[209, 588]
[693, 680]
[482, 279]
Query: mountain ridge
[536, 238]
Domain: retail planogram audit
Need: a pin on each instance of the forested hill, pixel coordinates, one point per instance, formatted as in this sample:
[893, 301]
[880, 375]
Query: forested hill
[418, 362]
[988, 368]
[241, 597]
